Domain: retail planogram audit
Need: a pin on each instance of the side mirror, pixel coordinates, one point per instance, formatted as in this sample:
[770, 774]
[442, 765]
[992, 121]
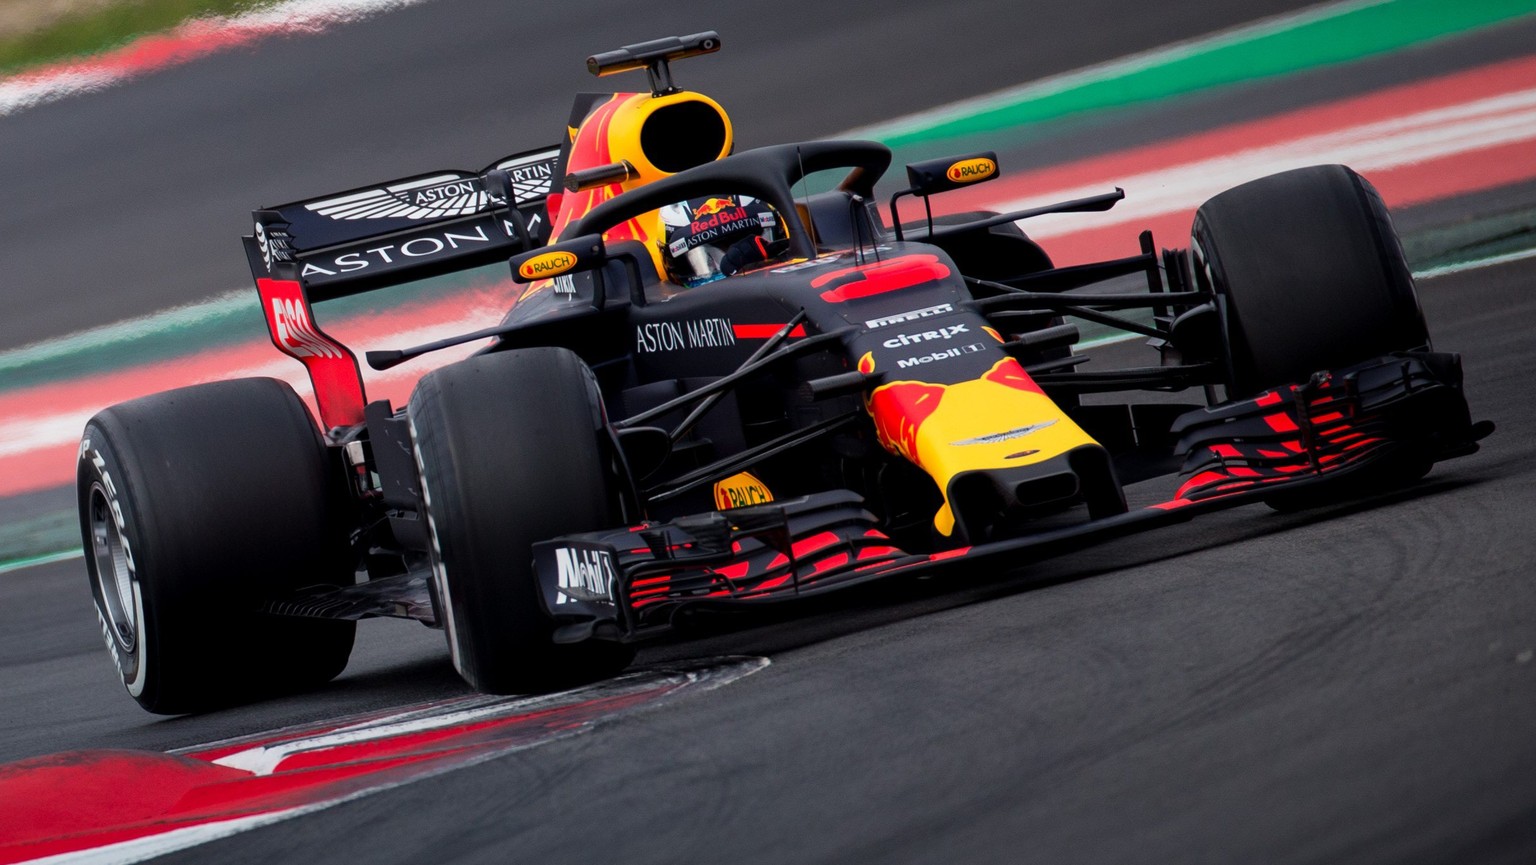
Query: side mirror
[587, 252]
[942, 175]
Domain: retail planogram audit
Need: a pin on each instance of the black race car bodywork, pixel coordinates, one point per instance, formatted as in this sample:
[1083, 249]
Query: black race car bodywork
[870, 399]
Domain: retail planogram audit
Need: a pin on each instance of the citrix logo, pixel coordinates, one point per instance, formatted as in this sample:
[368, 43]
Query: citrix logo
[949, 332]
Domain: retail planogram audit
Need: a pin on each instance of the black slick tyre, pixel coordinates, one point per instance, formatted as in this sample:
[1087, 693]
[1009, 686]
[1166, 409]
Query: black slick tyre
[1311, 275]
[195, 505]
[509, 450]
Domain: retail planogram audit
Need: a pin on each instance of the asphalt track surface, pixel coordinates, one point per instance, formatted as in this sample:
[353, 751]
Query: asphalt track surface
[1355, 684]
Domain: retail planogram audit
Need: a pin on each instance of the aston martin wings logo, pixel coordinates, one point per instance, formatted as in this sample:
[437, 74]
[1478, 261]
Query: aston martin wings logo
[1006, 435]
[444, 195]
[427, 198]
[532, 175]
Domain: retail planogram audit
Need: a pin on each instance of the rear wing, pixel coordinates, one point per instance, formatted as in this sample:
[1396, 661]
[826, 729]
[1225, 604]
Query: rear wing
[406, 229]
[383, 235]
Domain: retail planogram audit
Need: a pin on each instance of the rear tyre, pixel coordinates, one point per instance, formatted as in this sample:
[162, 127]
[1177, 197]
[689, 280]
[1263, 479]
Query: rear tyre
[195, 505]
[509, 453]
[1311, 274]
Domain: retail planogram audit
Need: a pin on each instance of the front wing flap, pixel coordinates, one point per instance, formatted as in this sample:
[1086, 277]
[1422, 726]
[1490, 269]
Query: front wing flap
[1398, 410]
[636, 578]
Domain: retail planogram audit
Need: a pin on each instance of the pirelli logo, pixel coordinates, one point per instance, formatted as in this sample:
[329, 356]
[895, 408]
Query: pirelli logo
[910, 315]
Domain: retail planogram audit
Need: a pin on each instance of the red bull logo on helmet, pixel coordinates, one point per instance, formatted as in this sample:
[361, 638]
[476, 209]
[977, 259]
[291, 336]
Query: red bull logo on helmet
[713, 205]
[732, 217]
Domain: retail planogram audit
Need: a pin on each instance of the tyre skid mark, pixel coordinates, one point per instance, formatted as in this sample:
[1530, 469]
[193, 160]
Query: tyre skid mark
[127, 806]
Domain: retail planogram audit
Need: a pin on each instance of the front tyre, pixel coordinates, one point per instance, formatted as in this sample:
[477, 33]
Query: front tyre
[509, 447]
[195, 505]
[1311, 275]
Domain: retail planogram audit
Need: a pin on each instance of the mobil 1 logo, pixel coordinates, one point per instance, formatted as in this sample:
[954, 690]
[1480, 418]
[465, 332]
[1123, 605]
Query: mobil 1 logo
[576, 577]
[941, 354]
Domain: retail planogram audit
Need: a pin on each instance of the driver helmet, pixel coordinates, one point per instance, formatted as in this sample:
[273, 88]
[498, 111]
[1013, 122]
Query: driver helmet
[712, 237]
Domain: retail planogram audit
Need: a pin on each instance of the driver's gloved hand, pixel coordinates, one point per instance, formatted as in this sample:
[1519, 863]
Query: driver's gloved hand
[749, 251]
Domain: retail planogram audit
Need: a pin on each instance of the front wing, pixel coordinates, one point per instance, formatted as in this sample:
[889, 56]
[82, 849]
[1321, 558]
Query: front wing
[1344, 432]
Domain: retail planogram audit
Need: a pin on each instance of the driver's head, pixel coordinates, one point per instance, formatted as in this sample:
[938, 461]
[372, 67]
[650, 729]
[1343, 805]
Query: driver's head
[712, 237]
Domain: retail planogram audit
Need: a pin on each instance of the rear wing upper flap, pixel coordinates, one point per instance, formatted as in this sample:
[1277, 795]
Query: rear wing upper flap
[388, 233]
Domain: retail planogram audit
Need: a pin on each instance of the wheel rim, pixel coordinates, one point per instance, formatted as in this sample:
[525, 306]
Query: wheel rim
[113, 571]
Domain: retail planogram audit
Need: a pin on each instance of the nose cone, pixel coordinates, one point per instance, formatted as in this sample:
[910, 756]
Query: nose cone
[1000, 425]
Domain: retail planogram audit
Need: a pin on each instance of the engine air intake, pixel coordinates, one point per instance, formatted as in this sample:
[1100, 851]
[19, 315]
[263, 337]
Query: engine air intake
[683, 135]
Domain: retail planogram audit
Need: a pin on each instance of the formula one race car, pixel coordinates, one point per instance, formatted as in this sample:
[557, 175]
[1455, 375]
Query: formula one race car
[725, 386]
